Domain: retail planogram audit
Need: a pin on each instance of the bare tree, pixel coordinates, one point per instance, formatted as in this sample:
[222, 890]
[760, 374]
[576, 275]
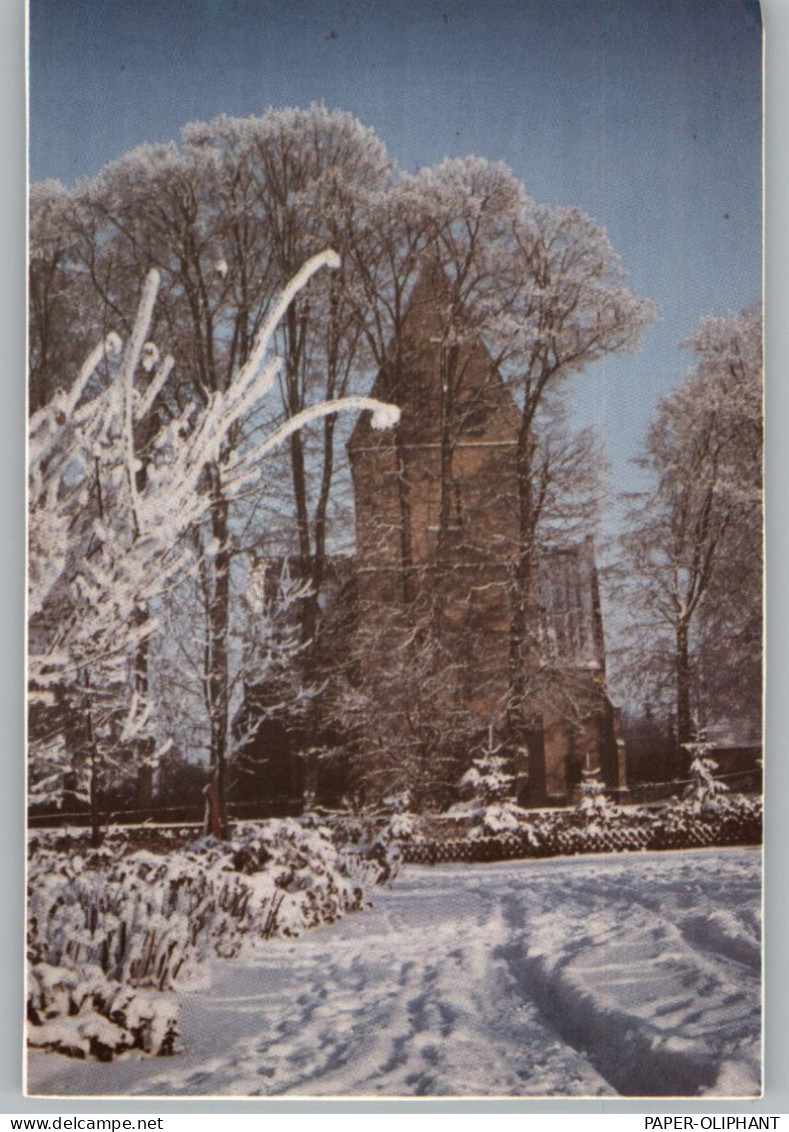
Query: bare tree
[58, 295]
[87, 590]
[395, 692]
[309, 174]
[227, 217]
[692, 546]
[571, 309]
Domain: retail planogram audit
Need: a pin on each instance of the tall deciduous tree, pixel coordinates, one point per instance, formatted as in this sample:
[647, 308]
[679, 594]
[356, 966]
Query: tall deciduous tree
[308, 174]
[571, 308]
[692, 548]
[58, 296]
[227, 217]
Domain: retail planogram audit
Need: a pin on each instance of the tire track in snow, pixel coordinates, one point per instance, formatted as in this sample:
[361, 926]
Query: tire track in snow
[654, 1011]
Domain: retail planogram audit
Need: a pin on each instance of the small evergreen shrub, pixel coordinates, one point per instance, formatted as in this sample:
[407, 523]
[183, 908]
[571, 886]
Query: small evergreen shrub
[594, 806]
[487, 788]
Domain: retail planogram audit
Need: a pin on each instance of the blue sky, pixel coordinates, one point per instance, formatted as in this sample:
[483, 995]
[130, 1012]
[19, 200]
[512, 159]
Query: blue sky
[645, 113]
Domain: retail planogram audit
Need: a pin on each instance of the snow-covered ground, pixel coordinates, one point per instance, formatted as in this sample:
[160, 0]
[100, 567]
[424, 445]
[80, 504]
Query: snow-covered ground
[632, 975]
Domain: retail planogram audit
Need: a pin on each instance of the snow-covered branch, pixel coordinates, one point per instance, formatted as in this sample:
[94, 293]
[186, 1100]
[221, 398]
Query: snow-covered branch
[108, 520]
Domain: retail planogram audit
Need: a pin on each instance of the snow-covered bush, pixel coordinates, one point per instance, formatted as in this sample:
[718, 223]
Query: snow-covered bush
[369, 844]
[402, 823]
[145, 919]
[488, 779]
[743, 807]
[81, 1013]
[502, 817]
[139, 920]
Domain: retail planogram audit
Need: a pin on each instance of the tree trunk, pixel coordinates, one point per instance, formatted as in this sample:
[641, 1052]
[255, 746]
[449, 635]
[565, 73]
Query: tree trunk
[683, 673]
[523, 622]
[95, 809]
[294, 405]
[403, 494]
[143, 747]
[447, 502]
[219, 619]
[318, 570]
[95, 812]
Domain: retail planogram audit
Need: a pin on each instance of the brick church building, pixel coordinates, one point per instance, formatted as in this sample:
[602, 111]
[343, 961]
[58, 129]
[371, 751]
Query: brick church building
[436, 516]
[436, 540]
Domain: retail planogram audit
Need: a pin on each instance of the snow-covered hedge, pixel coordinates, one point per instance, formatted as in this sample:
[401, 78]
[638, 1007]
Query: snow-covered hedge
[370, 850]
[737, 820]
[105, 921]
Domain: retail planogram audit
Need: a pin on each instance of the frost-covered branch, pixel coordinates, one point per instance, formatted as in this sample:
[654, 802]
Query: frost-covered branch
[108, 524]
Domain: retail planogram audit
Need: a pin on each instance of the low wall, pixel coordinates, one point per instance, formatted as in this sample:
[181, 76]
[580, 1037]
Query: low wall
[692, 833]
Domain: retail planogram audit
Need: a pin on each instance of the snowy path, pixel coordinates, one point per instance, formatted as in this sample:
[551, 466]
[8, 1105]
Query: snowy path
[632, 975]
